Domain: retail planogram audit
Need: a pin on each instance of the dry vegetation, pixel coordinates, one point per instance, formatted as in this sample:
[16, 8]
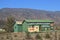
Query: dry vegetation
[31, 36]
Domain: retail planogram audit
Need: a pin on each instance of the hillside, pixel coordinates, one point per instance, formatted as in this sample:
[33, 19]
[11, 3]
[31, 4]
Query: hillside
[25, 13]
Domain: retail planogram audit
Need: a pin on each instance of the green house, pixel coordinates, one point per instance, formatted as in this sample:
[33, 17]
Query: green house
[33, 26]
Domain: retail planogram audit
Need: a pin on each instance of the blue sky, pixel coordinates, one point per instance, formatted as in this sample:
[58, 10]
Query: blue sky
[50, 5]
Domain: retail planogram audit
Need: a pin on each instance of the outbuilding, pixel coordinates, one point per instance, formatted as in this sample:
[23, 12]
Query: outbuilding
[33, 26]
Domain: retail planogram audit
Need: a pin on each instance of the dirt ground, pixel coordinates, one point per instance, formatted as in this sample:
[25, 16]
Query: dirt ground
[53, 35]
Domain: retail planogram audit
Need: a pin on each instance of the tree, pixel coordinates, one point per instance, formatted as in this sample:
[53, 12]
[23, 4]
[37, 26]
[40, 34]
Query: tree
[9, 24]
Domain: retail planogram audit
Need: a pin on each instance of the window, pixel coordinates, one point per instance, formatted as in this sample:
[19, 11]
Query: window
[51, 28]
[44, 25]
[45, 28]
[48, 29]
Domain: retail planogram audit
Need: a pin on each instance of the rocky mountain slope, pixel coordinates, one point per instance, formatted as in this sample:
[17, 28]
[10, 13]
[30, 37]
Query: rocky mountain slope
[25, 13]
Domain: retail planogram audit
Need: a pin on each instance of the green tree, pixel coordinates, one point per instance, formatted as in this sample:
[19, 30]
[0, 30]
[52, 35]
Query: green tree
[9, 24]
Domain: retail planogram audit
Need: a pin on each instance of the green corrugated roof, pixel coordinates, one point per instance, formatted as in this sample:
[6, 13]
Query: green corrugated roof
[38, 21]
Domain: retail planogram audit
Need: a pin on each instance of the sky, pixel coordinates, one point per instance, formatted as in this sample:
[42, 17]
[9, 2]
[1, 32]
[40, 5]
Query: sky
[50, 5]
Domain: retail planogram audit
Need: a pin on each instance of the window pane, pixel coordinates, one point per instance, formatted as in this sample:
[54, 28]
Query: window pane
[45, 26]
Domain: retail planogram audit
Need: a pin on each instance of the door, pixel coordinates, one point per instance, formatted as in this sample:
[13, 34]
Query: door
[40, 28]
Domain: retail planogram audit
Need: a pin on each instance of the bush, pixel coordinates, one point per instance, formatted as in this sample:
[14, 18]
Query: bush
[28, 36]
[47, 36]
[7, 37]
[38, 36]
[15, 35]
[2, 37]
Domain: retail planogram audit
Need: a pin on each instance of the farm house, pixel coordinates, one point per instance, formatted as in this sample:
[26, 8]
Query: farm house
[33, 26]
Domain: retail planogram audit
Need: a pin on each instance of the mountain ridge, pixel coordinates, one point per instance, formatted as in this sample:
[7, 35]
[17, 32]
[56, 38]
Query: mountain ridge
[27, 13]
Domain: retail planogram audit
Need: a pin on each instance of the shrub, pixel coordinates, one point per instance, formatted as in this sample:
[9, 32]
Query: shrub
[7, 37]
[38, 36]
[47, 36]
[28, 36]
[2, 37]
[15, 35]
